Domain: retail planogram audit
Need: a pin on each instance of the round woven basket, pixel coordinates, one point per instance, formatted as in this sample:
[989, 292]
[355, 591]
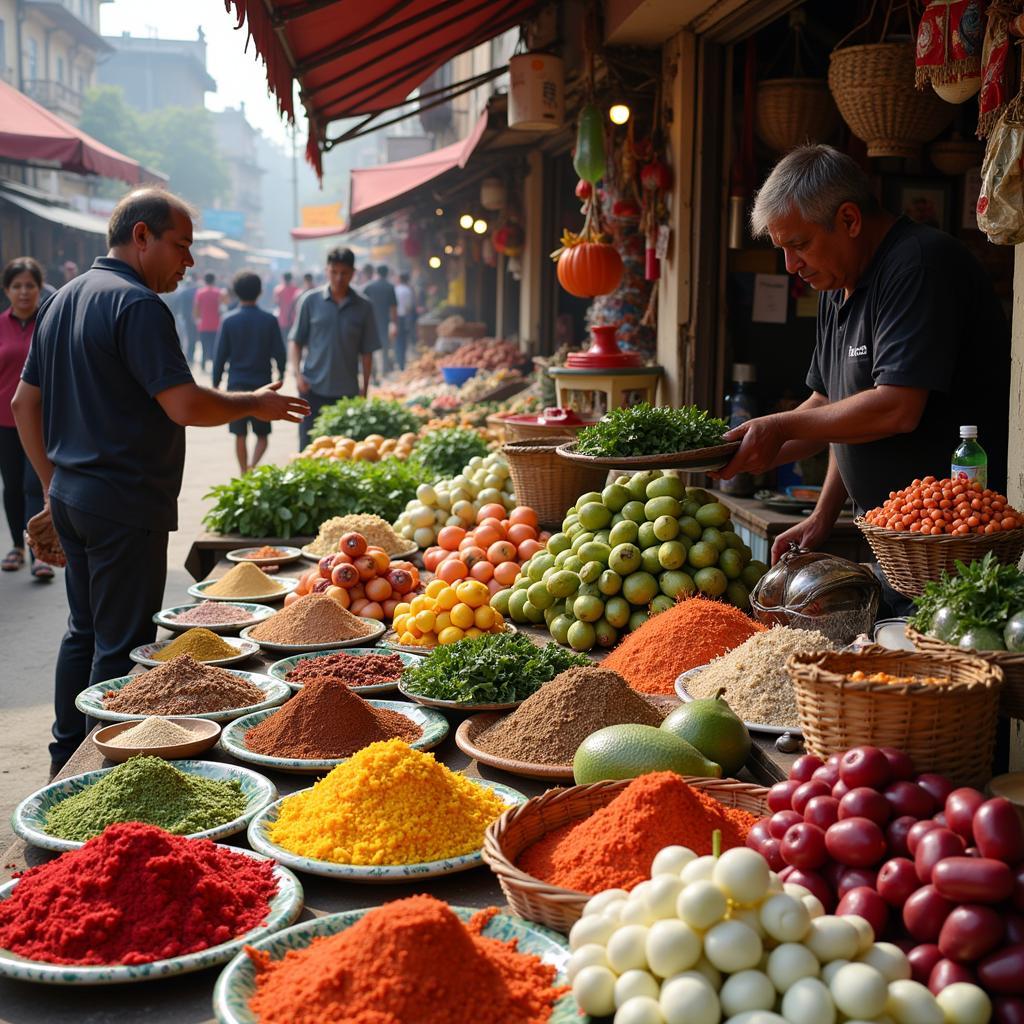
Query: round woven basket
[522, 826]
[948, 728]
[793, 111]
[514, 431]
[1012, 703]
[545, 482]
[873, 86]
[910, 560]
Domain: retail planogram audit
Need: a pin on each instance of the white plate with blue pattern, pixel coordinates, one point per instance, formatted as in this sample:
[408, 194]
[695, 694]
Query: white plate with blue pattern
[433, 729]
[90, 700]
[280, 669]
[237, 982]
[168, 618]
[374, 874]
[285, 907]
[29, 817]
[145, 654]
[286, 585]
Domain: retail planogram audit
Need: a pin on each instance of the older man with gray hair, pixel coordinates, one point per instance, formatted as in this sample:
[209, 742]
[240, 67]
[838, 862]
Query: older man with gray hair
[912, 342]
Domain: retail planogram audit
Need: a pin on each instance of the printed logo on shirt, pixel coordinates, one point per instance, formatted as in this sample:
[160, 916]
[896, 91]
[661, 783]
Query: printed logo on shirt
[857, 350]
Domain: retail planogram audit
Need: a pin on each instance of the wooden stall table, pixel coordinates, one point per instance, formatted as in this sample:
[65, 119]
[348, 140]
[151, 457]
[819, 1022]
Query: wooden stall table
[209, 548]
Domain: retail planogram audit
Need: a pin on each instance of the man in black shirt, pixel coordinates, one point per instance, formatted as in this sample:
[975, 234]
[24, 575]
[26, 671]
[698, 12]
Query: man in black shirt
[102, 406]
[911, 343]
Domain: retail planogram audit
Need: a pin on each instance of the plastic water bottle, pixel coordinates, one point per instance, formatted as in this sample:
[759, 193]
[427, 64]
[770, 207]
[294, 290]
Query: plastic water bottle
[969, 463]
[742, 405]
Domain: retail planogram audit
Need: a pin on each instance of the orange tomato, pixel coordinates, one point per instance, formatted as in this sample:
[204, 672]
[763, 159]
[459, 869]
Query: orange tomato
[482, 571]
[433, 557]
[501, 551]
[372, 610]
[485, 536]
[292, 597]
[378, 589]
[472, 555]
[529, 548]
[506, 572]
[450, 537]
[356, 608]
[523, 514]
[339, 594]
[491, 510]
[452, 569]
[367, 567]
[381, 559]
[544, 536]
[496, 524]
[494, 586]
[389, 607]
[518, 532]
[357, 593]
[342, 556]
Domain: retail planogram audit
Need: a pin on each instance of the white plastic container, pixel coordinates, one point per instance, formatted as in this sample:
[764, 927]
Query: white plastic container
[536, 92]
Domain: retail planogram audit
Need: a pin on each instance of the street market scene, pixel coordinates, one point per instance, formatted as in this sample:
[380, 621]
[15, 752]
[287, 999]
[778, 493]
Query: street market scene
[616, 615]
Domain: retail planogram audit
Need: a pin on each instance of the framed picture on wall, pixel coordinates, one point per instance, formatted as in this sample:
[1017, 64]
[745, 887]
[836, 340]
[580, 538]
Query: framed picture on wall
[924, 200]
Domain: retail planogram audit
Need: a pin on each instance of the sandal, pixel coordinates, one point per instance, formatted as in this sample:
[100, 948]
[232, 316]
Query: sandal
[13, 560]
[42, 571]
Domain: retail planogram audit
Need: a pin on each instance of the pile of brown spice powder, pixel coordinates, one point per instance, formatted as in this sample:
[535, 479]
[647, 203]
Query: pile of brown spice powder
[183, 686]
[350, 669]
[313, 619]
[325, 719]
[549, 725]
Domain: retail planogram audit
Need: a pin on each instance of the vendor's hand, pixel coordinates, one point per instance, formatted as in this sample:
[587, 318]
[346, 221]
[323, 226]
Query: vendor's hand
[42, 538]
[273, 406]
[809, 534]
[301, 383]
[760, 440]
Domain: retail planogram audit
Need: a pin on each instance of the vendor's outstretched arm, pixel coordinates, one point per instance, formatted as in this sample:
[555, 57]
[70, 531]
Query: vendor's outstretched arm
[190, 405]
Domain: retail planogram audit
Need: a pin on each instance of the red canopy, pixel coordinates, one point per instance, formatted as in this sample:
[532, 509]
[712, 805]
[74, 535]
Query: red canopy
[29, 133]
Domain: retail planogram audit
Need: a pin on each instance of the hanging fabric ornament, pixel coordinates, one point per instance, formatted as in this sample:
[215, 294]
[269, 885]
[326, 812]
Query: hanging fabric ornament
[949, 43]
[993, 98]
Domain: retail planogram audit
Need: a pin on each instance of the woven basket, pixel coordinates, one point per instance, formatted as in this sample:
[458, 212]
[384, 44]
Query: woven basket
[515, 431]
[793, 111]
[873, 86]
[1012, 703]
[545, 482]
[522, 826]
[945, 727]
[910, 560]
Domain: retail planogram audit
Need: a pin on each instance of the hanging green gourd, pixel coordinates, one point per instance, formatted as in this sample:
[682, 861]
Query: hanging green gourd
[589, 160]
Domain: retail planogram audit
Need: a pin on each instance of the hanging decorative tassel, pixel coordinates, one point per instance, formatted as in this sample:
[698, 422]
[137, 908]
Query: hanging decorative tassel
[994, 96]
[948, 52]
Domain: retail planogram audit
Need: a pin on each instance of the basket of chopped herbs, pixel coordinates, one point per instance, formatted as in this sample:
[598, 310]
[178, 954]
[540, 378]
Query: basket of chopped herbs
[979, 610]
[647, 437]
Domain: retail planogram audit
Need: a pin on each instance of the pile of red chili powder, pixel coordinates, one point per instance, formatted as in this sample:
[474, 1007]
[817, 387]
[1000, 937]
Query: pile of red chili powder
[135, 894]
[615, 846]
[386, 968]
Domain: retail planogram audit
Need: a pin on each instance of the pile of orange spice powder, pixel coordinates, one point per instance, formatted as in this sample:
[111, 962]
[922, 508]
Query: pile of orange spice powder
[615, 846]
[411, 960]
[678, 639]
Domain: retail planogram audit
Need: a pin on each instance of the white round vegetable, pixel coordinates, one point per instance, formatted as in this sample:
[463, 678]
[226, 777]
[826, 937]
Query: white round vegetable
[660, 898]
[672, 946]
[832, 938]
[963, 1003]
[594, 991]
[743, 874]
[594, 930]
[702, 904]
[638, 890]
[774, 882]
[641, 1010]
[626, 948]
[689, 1001]
[747, 990]
[635, 912]
[613, 909]
[632, 984]
[785, 918]
[795, 890]
[731, 946]
[701, 868]
[589, 955]
[865, 933]
[750, 917]
[790, 962]
[889, 959]
[814, 906]
[808, 1001]
[757, 1017]
[597, 904]
[710, 972]
[910, 1002]
[829, 971]
[671, 860]
[859, 990]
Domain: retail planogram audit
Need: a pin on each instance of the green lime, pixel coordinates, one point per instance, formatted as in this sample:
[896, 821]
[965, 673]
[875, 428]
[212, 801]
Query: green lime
[624, 559]
[581, 538]
[573, 531]
[649, 560]
[623, 533]
[595, 516]
[634, 511]
[622, 479]
[540, 561]
[661, 603]
[499, 601]
[573, 563]
[712, 514]
[559, 629]
[690, 507]
[676, 583]
[617, 611]
[594, 551]
[515, 605]
[746, 554]
[601, 537]
[588, 609]
[711, 582]
[617, 518]
[646, 536]
[637, 619]
[532, 613]
[609, 583]
[710, 725]
[570, 520]
[614, 496]
[733, 540]
[581, 636]
[522, 581]
[639, 588]
[699, 495]
[557, 543]
[690, 527]
[638, 482]
[738, 595]
[586, 499]
[552, 613]
[563, 583]
[671, 555]
[605, 634]
[591, 572]
[667, 487]
[664, 506]
[666, 528]
[730, 563]
[562, 557]
[752, 573]
[715, 537]
[540, 597]
[701, 555]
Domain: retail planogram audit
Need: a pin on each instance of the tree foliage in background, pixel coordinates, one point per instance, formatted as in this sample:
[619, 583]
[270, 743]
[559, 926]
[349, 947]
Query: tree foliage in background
[176, 141]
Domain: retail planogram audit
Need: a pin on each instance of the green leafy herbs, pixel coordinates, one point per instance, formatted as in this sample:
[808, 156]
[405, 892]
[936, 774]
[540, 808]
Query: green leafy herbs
[446, 452]
[293, 500]
[358, 418]
[496, 668]
[646, 430]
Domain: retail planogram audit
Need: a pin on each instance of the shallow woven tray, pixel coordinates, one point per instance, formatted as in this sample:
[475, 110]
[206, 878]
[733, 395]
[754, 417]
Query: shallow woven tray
[520, 827]
[694, 460]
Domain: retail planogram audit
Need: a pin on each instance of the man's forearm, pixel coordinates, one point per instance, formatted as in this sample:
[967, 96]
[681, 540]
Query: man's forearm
[866, 416]
[367, 372]
[27, 408]
[191, 405]
[833, 493]
[295, 357]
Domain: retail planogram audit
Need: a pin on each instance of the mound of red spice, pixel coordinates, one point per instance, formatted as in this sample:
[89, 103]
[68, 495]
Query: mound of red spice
[135, 894]
[615, 846]
[409, 960]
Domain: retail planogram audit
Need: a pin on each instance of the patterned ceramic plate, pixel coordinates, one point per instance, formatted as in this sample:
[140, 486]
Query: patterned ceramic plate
[168, 618]
[357, 641]
[90, 700]
[455, 705]
[433, 724]
[237, 982]
[376, 873]
[280, 669]
[768, 730]
[288, 584]
[144, 655]
[245, 555]
[284, 909]
[29, 818]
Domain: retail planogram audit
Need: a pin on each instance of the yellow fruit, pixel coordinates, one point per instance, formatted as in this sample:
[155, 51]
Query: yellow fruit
[407, 638]
[483, 617]
[418, 604]
[413, 628]
[462, 616]
[447, 599]
[442, 621]
[403, 608]
[435, 587]
[473, 631]
[473, 592]
[499, 620]
[425, 621]
[450, 635]
[399, 623]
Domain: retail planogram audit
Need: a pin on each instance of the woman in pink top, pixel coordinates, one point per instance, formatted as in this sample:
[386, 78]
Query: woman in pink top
[23, 496]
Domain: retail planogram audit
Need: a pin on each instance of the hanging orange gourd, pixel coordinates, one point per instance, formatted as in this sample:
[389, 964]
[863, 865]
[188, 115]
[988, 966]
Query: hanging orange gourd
[587, 269]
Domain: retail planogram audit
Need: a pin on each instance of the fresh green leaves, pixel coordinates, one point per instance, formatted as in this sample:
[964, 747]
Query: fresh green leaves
[497, 668]
[646, 430]
[359, 417]
[445, 453]
[293, 500]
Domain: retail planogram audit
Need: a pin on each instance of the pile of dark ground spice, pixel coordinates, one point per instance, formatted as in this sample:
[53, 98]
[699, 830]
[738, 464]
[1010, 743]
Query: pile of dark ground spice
[350, 669]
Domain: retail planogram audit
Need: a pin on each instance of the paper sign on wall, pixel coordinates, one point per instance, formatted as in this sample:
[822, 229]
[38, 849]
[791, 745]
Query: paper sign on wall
[771, 299]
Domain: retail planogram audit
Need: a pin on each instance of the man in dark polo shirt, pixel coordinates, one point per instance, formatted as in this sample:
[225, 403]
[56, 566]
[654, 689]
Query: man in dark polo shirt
[102, 406]
[911, 343]
[334, 336]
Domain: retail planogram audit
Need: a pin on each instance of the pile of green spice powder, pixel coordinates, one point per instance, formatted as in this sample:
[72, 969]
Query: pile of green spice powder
[150, 790]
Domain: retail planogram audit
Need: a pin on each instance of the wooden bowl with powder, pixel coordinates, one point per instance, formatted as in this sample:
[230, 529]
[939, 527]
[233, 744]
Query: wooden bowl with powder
[205, 733]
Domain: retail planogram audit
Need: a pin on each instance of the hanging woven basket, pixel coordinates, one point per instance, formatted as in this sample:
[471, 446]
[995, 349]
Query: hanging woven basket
[794, 111]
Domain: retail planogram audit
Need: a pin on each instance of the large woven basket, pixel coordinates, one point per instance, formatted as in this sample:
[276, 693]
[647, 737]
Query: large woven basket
[1012, 703]
[873, 86]
[522, 826]
[517, 431]
[910, 560]
[545, 482]
[945, 727]
[793, 111]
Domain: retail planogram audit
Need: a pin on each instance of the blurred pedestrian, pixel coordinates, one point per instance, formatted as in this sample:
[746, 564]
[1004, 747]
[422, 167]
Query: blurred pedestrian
[365, 276]
[184, 300]
[206, 310]
[286, 295]
[381, 294]
[70, 269]
[406, 333]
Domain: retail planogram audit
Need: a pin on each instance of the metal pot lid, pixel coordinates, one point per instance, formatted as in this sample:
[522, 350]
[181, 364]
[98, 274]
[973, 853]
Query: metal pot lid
[803, 578]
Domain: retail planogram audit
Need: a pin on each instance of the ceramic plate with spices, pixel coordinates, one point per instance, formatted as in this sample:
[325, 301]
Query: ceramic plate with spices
[280, 669]
[250, 555]
[357, 641]
[206, 735]
[29, 818]
[259, 839]
[145, 654]
[455, 705]
[237, 982]
[90, 700]
[287, 584]
[285, 907]
[768, 730]
[465, 739]
[168, 618]
[433, 726]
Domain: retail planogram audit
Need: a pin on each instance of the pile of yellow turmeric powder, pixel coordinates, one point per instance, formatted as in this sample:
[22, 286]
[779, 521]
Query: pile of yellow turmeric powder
[389, 805]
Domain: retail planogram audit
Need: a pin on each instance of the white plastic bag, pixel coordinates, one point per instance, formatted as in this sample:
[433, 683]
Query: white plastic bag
[1001, 202]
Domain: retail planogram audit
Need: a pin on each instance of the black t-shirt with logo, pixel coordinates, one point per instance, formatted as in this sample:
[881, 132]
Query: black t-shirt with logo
[924, 315]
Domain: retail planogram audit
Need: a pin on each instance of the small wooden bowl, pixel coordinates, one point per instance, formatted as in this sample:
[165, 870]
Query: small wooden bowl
[206, 732]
